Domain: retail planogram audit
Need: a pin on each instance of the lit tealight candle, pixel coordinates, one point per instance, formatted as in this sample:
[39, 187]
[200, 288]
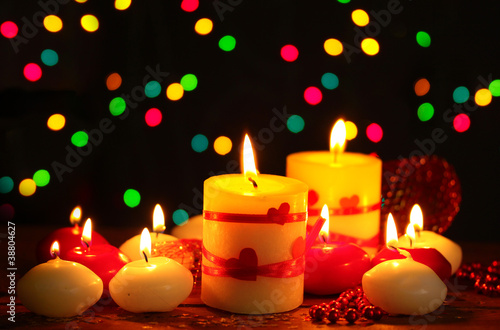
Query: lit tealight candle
[333, 267]
[152, 284]
[429, 239]
[131, 246]
[68, 237]
[59, 288]
[105, 260]
[403, 286]
[427, 256]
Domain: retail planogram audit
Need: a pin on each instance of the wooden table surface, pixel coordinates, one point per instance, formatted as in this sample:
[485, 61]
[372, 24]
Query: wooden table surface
[463, 307]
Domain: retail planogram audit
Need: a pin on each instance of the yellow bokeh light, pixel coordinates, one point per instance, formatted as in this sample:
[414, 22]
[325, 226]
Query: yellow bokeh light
[483, 97]
[27, 187]
[333, 47]
[52, 23]
[56, 122]
[351, 130]
[122, 4]
[360, 17]
[81, 1]
[203, 26]
[175, 92]
[90, 23]
[370, 46]
[223, 145]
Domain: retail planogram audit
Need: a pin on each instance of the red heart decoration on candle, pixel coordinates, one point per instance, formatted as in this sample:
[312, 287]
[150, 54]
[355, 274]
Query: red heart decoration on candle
[349, 202]
[298, 247]
[312, 197]
[276, 215]
[245, 267]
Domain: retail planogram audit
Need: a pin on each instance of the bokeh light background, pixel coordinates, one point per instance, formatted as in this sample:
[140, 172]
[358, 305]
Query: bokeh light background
[119, 105]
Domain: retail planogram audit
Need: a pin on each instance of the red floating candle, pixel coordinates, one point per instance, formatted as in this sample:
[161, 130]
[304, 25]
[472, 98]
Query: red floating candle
[105, 260]
[427, 256]
[333, 267]
[68, 238]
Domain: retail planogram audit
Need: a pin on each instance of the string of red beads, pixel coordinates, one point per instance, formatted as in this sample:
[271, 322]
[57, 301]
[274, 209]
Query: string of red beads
[486, 279]
[351, 305]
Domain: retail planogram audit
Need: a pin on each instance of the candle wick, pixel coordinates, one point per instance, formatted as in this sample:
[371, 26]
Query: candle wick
[145, 255]
[410, 239]
[253, 182]
[323, 237]
[157, 235]
[400, 251]
[85, 243]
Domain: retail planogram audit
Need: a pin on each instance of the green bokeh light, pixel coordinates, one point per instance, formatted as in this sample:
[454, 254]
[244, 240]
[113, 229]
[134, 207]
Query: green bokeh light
[330, 80]
[152, 89]
[423, 39]
[295, 123]
[227, 43]
[6, 184]
[495, 87]
[41, 178]
[131, 197]
[80, 139]
[461, 94]
[344, 1]
[117, 106]
[189, 82]
[199, 143]
[180, 217]
[49, 57]
[425, 111]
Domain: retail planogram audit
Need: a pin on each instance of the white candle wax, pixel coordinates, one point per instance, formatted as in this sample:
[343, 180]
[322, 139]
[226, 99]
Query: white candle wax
[59, 288]
[158, 285]
[272, 242]
[404, 286]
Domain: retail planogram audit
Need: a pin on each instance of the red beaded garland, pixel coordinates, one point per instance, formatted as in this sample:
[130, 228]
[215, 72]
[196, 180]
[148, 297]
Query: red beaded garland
[486, 279]
[351, 305]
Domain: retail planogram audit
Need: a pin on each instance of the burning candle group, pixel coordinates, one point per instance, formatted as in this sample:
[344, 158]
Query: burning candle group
[406, 281]
[255, 247]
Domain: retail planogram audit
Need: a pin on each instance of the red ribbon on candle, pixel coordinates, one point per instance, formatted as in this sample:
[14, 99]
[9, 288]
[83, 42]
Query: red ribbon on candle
[246, 267]
[348, 210]
[274, 216]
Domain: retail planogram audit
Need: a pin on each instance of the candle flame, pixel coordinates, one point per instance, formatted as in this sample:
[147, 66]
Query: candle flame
[54, 249]
[324, 233]
[337, 138]
[158, 219]
[391, 234]
[325, 215]
[87, 233]
[410, 231]
[249, 168]
[76, 215]
[416, 217]
[145, 245]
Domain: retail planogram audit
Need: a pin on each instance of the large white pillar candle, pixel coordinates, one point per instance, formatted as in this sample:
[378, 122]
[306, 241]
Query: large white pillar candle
[253, 243]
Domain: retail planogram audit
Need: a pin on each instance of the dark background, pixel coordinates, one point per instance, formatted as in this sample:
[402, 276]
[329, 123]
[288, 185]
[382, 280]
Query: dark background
[237, 92]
